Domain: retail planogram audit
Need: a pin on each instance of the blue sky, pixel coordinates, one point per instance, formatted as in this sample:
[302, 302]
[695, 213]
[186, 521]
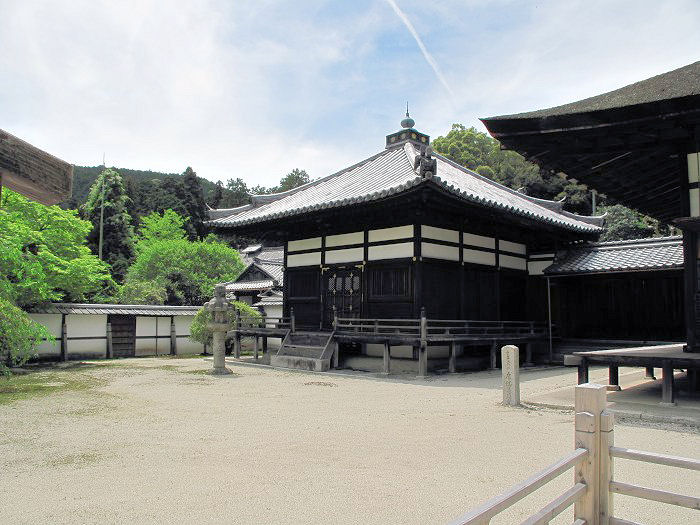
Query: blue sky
[252, 89]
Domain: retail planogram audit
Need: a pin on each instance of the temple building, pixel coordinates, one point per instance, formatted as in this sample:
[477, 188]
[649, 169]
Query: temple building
[640, 145]
[408, 232]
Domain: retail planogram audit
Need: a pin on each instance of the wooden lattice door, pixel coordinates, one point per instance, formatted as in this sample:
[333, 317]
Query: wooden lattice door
[343, 290]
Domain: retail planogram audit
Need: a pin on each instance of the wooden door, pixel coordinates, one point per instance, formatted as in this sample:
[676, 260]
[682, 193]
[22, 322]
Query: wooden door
[342, 290]
[123, 335]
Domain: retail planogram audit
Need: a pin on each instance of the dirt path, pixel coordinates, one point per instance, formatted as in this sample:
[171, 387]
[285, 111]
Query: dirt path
[157, 441]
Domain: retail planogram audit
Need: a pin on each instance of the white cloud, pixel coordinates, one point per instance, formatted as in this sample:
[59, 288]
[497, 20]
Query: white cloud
[253, 89]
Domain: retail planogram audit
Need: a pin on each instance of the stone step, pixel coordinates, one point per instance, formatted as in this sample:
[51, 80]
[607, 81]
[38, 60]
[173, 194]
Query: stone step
[300, 363]
[301, 350]
[308, 339]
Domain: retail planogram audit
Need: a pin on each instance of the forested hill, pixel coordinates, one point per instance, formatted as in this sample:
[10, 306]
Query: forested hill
[85, 176]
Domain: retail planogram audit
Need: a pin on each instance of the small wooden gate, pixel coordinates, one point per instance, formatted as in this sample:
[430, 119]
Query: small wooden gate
[123, 335]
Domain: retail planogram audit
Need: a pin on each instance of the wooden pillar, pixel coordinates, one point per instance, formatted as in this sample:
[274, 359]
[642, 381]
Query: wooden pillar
[590, 401]
[109, 352]
[292, 321]
[237, 345]
[64, 338]
[336, 352]
[452, 367]
[614, 377]
[583, 371]
[257, 339]
[528, 355]
[386, 368]
[649, 373]
[264, 345]
[173, 336]
[423, 348]
[493, 355]
[667, 393]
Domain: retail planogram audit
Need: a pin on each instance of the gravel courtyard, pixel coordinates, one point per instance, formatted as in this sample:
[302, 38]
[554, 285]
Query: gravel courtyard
[158, 441]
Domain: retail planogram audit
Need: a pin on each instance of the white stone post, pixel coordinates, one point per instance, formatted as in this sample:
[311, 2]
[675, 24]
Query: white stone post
[590, 401]
[510, 372]
[219, 307]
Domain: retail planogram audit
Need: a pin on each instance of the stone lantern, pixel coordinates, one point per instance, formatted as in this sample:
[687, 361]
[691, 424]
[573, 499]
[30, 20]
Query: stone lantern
[219, 306]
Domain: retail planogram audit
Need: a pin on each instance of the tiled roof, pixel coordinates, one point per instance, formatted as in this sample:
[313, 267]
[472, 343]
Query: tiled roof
[114, 309]
[661, 253]
[681, 82]
[249, 285]
[390, 172]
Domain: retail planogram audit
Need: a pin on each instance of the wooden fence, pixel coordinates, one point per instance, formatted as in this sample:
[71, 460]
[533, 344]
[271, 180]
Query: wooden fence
[592, 460]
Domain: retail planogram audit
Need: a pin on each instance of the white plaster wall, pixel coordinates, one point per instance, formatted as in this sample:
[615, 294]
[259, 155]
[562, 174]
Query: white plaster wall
[508, 261]
[390, 251]
[388, 234]
[479, 240]
[78, 325]
[145, 326]
[304, 244]
[345, 239]
[440, 251]
[274, 311]
[537, 267]
[441, 234]
[479, 257]
[304, 259]
[694, 176]
[342, 256]
[52, 322]
[514, 247]
[163, 345]
[185, 345]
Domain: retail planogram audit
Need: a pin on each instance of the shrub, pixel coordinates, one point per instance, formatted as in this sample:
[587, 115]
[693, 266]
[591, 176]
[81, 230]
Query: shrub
[199, 331]
[19, 336]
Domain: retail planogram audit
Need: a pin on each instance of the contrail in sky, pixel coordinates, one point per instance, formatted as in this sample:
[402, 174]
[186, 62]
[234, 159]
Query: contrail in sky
[428, 57]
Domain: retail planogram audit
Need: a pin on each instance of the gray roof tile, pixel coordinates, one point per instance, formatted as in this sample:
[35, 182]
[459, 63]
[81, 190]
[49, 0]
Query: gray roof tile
[390, 172]
[114, 309]
[661, 253]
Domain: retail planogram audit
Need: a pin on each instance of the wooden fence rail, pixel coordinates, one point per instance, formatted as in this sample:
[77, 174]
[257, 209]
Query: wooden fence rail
[592, 460]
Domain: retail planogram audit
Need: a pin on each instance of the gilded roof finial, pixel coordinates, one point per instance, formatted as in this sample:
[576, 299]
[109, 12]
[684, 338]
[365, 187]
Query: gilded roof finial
[408, 122]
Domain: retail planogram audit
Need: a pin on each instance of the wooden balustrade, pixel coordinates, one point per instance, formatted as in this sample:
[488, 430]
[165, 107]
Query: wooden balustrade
[593, 489]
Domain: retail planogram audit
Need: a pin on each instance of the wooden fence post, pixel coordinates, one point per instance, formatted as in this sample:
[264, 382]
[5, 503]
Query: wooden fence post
[173, 336]
[510, 372]
[64, 338]
[256, 347]
[109, 353]
[590, 401]
[423, 349]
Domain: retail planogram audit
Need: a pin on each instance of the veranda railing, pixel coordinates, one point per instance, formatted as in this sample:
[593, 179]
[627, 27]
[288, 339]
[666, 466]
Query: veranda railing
[592, 461]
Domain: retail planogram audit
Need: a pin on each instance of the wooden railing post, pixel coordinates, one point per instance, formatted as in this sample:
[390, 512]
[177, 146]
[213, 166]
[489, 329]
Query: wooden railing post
[452, 367]
[607, 440]
[423, 348]
[257, 343]
[386, 368]
[292, 320]
[335, 317]
[590, 401]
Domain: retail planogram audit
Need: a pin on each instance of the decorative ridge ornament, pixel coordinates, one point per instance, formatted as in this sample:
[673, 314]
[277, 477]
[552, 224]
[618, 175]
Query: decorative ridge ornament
[425, 164]
[408, 122]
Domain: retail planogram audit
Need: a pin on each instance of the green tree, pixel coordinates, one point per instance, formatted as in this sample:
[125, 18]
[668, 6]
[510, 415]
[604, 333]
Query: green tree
[185, 272]
[199, 329]
[623, 223]
[195, 207]
[238, 193]
[293, 179]
[117, 246]
[160, 227]
[44, 256]
[218, 195]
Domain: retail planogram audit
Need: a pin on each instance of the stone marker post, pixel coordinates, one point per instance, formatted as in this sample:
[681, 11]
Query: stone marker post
[219, 307]
[510, 371]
